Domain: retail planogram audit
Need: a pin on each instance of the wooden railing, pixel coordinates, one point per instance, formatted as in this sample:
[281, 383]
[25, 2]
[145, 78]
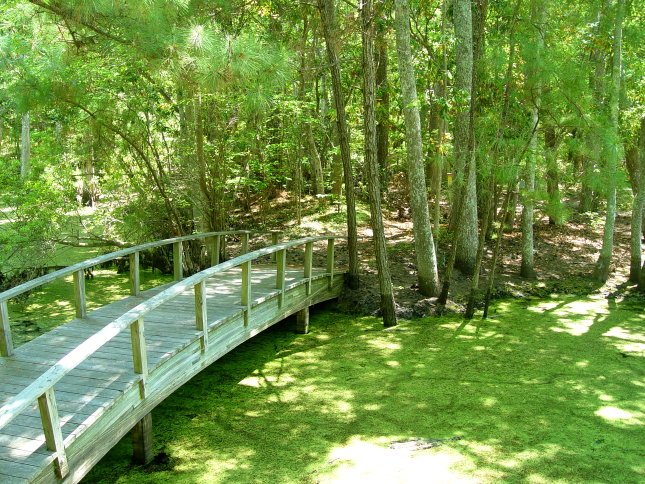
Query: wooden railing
[42, 389]
[216, 241]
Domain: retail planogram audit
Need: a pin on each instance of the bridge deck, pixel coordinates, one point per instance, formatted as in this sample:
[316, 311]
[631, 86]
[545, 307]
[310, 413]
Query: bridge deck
[86, 394]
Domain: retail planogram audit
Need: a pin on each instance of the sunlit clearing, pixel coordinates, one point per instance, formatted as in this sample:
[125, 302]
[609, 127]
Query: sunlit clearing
[365, 462]
[619, 415]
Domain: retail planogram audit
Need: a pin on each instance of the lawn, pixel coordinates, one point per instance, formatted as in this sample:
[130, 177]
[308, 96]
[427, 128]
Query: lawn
[546, 391]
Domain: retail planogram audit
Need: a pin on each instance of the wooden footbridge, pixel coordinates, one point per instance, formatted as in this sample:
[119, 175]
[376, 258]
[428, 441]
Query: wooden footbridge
[70, 395]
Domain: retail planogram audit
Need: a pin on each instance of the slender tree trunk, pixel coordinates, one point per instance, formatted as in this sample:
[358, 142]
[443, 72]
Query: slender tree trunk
[611, 150]
[382, 97]
[315, 162]
[556, 208]
[369, 103]
[25, 147]
[636, 257]
[423, 241]
[327, 17]
[467, 240]
[527, 269]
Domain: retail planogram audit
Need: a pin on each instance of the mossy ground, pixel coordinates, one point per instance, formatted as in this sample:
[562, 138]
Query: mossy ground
[546, 391]
[53, 304]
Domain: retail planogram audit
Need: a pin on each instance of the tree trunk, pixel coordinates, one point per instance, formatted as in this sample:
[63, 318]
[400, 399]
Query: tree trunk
[369, 103]
[638, 186]
[611, 150]
[327, 15]
[314, 161]
[423, 241]
[467, 239]
[25, 147]
[538, 14]
[382, 97]
[555, 206]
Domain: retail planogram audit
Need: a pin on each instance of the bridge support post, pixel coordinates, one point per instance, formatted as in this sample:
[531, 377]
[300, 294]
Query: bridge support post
[302, 321]
[6, 342]
[142, 448]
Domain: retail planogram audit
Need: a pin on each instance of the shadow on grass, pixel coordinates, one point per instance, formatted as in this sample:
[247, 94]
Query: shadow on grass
[551, 392]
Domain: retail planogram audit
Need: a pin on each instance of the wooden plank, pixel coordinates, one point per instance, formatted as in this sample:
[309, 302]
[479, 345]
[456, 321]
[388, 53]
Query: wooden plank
[11, 472]
[53, 434]
[6, 342]
[177, 261]
[135, 282]
[201, 313]
[79, 294]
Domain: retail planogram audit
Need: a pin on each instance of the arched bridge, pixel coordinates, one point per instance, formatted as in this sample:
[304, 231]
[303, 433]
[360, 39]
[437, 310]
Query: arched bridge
[69, 395]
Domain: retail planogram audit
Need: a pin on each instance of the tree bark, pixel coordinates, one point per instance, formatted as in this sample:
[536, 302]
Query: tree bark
[464, 155]
[611, 150]
[527, 269]
[327, 17]
[638, 186]
[423, 240]
[369, 102]
[382, 97]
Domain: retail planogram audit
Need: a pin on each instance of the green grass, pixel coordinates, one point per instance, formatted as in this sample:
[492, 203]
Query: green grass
[547, 391]
[53, 304]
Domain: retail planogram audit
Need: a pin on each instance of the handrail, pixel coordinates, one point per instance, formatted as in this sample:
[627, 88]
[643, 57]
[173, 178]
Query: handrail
[39, 281]
[44, 383]
[216, 242]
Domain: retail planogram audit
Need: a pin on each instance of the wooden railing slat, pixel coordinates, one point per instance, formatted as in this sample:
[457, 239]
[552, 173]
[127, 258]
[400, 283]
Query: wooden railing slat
[201, 313]
[6, 342]
[309, 257]
[53, 434]
[79, 294]
[281, 264]
[177, 261]
[139, 353]
[246, 291]
[135, 283]
[330, 261]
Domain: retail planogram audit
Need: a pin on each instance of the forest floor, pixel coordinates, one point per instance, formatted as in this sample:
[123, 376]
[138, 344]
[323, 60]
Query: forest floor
[546, 391]
[564, 258]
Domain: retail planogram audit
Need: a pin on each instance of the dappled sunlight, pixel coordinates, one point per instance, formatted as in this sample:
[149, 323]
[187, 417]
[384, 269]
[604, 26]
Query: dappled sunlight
[626, 340]
[512, 401]
[616, 415]
[361, 461]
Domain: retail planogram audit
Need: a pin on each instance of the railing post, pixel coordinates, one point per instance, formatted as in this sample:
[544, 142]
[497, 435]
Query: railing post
[201, 321]
[214, 249]
[309, 256]
[245, 243]
[281, 265]
[139, 355]
[275, 238]
[135, 283]
[6, 342]
[223, 248]
[330, 261]
[177, 261]
[246, 291]
[79, 294]
[52, 430]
